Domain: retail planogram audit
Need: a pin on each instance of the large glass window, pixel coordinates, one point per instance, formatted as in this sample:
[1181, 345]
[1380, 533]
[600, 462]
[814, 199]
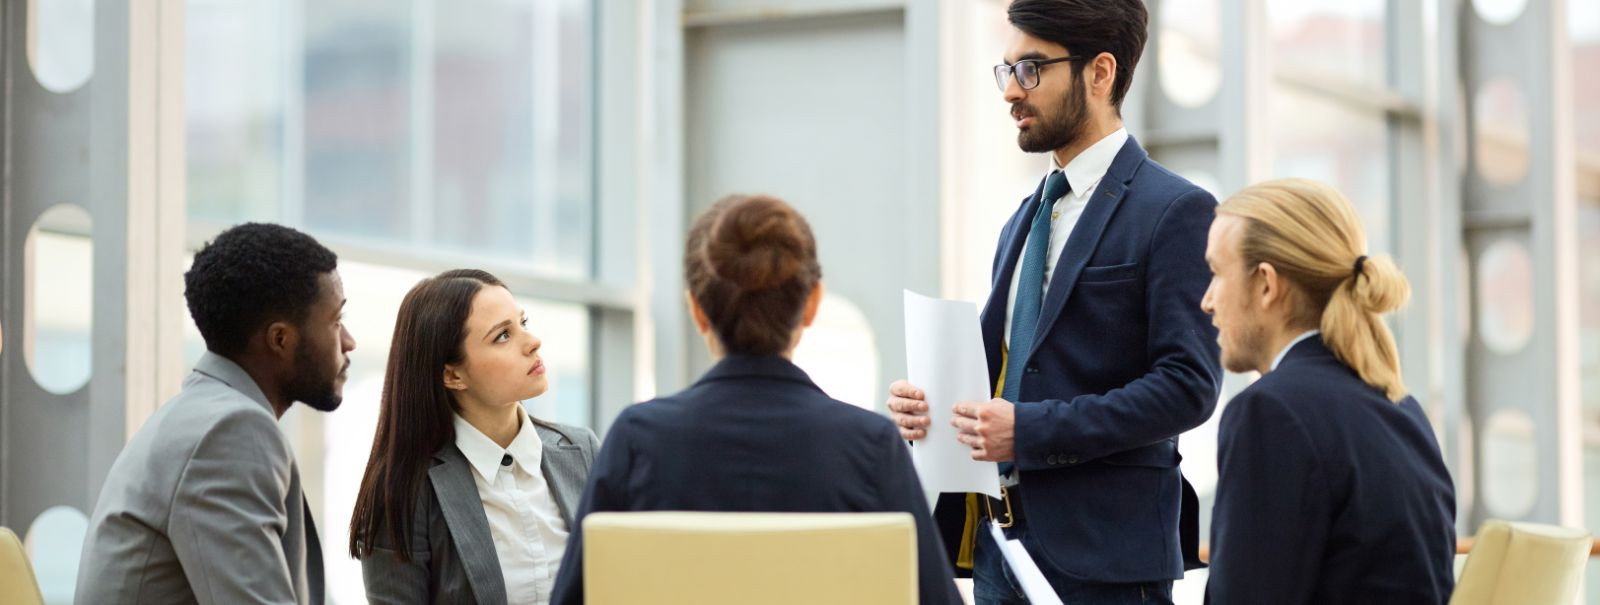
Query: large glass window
[460, 127]
[1329, 38]
[1344, 146]
[1320, 45]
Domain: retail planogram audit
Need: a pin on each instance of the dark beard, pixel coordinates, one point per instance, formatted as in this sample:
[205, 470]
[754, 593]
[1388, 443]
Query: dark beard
[1069, 124]
[313, 385]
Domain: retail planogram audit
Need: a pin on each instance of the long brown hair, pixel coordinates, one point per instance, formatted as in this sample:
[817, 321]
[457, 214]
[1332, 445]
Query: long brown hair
[1311, 234]
[414, 416]
[751, 264]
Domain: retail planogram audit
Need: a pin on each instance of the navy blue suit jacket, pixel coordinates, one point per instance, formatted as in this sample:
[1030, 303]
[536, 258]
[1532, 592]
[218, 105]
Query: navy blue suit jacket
[755, 434]
[1122, 362]
[1328, 492]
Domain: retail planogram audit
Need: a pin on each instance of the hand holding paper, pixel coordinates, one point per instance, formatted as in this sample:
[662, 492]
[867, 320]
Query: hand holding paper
[988, 428]
[944, 358]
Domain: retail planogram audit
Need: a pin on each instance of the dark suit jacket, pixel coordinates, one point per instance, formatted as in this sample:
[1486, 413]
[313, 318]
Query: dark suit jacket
[1123, 361]
[452, 552]
[755, 434]
[1328, 492]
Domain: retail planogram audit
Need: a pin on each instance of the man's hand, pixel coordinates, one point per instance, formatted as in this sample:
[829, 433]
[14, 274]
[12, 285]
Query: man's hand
[988, 428]
[908, 408]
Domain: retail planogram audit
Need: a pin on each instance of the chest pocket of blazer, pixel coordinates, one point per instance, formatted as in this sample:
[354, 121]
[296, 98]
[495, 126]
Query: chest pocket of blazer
[1109, 273]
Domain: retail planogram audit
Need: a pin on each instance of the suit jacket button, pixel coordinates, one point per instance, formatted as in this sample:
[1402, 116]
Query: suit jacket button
[1072, 459]
[1052, 460]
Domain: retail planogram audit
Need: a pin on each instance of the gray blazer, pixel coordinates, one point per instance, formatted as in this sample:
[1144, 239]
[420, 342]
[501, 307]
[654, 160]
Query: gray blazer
[452, 553]
[204, 505]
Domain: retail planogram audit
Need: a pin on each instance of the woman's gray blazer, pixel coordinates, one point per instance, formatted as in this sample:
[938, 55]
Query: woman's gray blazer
[452, 554]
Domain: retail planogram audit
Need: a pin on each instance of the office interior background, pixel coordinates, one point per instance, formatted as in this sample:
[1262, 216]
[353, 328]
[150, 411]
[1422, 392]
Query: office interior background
[566, 144]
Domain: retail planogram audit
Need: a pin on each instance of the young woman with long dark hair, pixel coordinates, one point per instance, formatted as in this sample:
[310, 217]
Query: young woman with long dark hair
[466, 498]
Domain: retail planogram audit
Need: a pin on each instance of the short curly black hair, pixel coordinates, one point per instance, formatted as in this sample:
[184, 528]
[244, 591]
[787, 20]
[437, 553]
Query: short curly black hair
[251, 275]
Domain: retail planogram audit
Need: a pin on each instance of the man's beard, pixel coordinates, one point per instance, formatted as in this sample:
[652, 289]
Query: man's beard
[1070, 122]
[1251, 339]
[312, 384]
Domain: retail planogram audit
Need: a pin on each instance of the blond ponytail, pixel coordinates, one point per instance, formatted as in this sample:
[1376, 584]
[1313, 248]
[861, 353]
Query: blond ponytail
[1310, 234]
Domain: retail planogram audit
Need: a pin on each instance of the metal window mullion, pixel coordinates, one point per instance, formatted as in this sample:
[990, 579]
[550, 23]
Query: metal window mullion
[292, 195]
[1349, 92]
[1243, 99]
[614, 177]
[420, 114]
[712, 17]
[666, 213]
[1447, 139]
[1413, 204]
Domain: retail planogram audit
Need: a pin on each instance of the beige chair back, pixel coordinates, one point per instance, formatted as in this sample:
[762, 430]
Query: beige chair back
[17, 584]
[1523, 564]
[773, 558]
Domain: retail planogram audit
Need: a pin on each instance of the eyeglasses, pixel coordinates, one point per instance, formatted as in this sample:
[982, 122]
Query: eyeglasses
[1026, 71]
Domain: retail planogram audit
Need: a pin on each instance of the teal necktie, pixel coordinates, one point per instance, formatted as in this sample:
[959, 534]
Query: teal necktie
[1030, 291]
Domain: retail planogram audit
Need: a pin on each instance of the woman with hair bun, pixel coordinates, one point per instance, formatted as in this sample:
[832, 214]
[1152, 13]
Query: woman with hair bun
[1330, 487]
[754, 285]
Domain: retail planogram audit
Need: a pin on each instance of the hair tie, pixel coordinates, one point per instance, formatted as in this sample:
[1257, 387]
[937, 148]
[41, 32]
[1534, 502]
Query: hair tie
[1360, 260]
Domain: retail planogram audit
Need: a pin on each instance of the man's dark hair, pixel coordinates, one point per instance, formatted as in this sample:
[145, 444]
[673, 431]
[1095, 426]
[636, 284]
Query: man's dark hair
[250, 276]
[1088, 28]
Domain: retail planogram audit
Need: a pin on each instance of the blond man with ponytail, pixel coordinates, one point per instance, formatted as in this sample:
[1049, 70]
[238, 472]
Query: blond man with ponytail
[1331, 488]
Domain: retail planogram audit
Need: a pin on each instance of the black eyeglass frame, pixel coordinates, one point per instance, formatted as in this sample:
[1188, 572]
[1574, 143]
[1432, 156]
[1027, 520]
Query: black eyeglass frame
[1002, 72]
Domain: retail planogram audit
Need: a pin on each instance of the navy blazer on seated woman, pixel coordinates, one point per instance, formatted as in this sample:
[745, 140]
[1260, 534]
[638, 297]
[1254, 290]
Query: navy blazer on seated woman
[755, 434]
[1328, 492]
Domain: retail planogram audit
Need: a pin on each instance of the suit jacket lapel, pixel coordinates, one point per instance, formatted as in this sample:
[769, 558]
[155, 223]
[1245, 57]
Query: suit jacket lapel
[993, 321]
[469, 528]
[1085, 236]
[314, 568]
[565, 466]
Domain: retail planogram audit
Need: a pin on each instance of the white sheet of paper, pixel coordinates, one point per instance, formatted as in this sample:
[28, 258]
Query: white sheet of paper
[1027, 573]
[944, 358]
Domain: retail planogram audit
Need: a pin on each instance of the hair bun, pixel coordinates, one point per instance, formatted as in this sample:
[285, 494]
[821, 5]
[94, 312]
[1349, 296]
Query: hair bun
[1380, 287]
[758, 243]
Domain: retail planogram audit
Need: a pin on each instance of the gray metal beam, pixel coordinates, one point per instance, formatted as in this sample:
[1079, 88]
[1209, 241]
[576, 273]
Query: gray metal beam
[1535, 382]
[1243, 96]
[1413, 206]
[63, 147]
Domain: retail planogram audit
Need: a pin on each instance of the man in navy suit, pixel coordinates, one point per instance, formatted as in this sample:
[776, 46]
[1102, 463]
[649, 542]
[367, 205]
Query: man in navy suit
[1330, 488]
[1097, 349]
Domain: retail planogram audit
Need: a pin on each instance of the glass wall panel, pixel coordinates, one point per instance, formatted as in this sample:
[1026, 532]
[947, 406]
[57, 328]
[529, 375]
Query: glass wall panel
[1322, 139]
[564, 331]
[461, 126]
[234, 94]
[58, 315]
[1339, 38]
[356, 81]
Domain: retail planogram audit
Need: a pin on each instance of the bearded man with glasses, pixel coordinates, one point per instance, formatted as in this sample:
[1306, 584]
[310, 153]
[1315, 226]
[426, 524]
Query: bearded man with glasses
[1098, 353]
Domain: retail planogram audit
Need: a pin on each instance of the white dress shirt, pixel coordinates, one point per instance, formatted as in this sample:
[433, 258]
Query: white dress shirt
[1083, 176]
[1285, 352]
[529, 533]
